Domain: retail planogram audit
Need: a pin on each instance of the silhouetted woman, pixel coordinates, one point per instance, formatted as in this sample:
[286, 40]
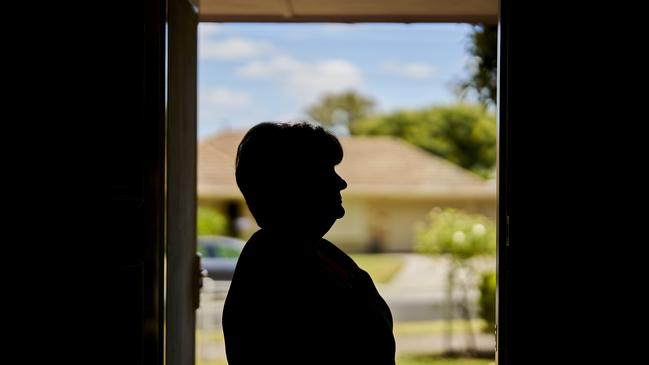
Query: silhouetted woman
[295, 298]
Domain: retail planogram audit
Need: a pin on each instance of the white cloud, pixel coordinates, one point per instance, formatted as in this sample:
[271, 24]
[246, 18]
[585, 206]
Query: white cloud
[273, 67]
[223, 97]
[206, 30]
[234, 49]
[418, 71]
[305, 80]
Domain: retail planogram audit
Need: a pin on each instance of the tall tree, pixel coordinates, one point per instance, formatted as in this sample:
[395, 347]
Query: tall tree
[463, 133]
[483, 78]
[341, 108]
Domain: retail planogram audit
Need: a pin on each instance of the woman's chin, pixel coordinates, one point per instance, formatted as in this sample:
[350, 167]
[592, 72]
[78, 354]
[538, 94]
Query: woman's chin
[340, 212]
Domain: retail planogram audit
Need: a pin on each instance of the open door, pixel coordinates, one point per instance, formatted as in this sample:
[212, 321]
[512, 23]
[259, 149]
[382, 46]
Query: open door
[182, 266]
[503, 273]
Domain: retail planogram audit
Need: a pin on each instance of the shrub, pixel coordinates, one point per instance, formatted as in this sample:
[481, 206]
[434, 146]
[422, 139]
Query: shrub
[488, 300]
[210, 222]
[453, 232]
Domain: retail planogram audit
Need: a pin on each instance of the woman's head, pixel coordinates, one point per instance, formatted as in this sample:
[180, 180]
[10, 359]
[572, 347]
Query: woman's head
[286, 174]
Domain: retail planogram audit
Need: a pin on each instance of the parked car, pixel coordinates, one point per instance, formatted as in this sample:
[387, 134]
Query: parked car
[219, 255]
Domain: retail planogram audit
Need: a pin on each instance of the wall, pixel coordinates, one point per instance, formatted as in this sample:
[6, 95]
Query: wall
[378, 224]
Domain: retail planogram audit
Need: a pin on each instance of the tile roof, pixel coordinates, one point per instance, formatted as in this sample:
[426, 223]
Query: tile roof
[372, 166]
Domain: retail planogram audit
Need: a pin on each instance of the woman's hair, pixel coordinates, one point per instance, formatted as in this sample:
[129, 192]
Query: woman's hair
[272, 156]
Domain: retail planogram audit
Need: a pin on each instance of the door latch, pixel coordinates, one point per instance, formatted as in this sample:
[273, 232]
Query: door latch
[199, 275]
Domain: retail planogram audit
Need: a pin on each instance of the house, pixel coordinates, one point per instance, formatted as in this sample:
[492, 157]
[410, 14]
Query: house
[392, 185]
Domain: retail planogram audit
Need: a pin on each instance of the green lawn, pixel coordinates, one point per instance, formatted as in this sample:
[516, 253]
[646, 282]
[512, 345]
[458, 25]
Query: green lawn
[437, 360]
[405, 360]
[209, 335]
[381, 267]
[210, 362]
[401, 329]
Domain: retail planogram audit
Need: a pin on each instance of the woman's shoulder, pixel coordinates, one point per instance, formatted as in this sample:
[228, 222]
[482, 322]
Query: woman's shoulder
[333, 252]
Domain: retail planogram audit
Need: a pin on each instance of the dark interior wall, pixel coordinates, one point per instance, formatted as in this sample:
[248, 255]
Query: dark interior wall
[130, 63]
[85, 92]
[136, 190]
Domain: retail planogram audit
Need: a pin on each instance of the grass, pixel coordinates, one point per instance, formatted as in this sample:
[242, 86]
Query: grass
[401, 329]
[402, 360]
[209, 335]
[211, 362]
[439, 360]
[380, 267]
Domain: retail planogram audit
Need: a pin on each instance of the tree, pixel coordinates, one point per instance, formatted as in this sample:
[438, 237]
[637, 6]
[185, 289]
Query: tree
[460, 236]
[483, 79]
[463, 133]
[342, 108]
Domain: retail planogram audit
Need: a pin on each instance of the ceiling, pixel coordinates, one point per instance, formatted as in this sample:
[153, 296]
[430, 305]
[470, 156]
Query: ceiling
[352, 11]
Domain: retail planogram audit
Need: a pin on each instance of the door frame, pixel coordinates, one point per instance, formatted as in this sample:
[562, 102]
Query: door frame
[182, 272]
[183, 19]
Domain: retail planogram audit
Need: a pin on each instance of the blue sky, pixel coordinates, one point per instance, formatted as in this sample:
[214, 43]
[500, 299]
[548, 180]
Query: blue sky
[250, 73]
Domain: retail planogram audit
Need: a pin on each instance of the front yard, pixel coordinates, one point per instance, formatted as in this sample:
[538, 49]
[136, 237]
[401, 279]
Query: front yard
[405, 360]
[402, 330]
[381, 268]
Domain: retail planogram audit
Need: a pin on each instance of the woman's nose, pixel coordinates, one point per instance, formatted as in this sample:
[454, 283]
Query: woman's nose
[341, 183]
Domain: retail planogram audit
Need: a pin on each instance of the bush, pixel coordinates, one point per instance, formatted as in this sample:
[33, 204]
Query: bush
[456, 233]
[461, 236]
[210, 222]
[488, 300]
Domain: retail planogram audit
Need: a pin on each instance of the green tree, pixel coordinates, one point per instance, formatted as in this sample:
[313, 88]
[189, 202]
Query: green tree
[460, 236]
[341, 108]
[463, 133]
[483, 78]
[210, 222]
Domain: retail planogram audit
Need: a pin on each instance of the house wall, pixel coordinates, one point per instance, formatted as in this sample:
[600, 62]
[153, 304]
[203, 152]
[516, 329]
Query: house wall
[376, 224]
[389, 224]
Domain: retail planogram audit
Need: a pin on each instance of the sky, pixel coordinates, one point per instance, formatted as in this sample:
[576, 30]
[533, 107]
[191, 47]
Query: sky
[249, 73]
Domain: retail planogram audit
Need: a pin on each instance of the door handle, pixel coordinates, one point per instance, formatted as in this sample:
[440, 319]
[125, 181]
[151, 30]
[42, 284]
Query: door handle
[199, 275]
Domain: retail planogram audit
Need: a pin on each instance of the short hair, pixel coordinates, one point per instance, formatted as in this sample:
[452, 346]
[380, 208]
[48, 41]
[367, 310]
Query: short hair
[272, 154]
